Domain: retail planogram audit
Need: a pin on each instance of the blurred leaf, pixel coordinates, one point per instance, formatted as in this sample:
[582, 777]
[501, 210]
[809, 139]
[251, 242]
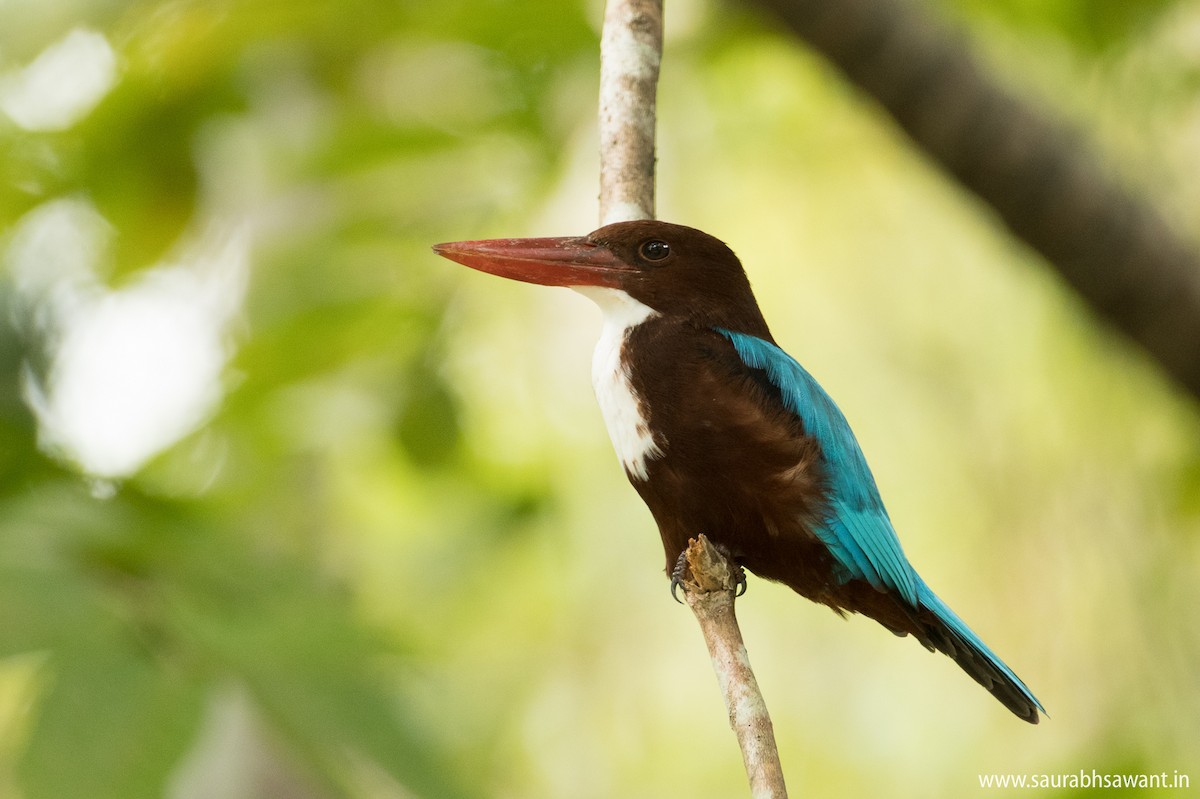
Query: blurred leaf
[111, 725]
[428, 426]
[311, 666]
[149, 146]
[316, 340]
[20, 461]
[41, 610]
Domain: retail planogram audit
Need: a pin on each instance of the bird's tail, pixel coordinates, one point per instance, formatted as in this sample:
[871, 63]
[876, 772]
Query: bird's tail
[950, 635]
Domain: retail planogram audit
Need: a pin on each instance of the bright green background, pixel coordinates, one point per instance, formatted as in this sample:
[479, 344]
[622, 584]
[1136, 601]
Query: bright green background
[401, 552]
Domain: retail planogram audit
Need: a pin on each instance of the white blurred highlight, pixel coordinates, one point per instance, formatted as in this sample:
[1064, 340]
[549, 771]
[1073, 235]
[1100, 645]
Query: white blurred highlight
[61, 85]
[133, 369]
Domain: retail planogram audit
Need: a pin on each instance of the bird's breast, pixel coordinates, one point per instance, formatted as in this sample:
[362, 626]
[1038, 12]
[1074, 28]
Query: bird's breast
[625, 412]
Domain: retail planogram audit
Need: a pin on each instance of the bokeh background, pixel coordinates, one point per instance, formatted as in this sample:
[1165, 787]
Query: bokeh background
[289, 507]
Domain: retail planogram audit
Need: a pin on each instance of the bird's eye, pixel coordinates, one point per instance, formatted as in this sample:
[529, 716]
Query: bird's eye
[654, 250]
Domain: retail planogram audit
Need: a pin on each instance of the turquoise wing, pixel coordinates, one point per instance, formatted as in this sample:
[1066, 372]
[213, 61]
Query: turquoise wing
[857, 531]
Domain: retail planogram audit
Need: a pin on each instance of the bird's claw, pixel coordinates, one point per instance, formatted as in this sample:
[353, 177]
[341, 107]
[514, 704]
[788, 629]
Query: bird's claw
[677, 574]
[739, 580]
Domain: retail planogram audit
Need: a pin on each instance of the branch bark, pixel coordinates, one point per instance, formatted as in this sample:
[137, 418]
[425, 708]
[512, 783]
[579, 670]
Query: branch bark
[1108, 244]
[711, 588]
[630, 54]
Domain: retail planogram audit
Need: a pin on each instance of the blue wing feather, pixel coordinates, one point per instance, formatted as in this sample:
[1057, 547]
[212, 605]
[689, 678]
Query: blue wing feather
[858, 531]
[959, 627]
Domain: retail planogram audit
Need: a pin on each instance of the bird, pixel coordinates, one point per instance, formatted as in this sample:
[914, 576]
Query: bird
[723, 433]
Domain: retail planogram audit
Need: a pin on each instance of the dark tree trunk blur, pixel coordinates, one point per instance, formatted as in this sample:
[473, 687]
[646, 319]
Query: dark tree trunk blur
[1040, 177]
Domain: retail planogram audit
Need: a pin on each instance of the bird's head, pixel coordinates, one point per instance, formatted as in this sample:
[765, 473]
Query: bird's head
[673, 269]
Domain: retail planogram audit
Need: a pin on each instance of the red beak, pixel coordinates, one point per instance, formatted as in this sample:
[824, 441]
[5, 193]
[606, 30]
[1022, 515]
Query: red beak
[570, 261]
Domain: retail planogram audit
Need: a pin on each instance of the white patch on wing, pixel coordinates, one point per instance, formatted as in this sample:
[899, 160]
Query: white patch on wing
[631, 436]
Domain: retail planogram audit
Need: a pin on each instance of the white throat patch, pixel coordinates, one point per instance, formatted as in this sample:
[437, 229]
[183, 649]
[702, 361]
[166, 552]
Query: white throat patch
[619, 403]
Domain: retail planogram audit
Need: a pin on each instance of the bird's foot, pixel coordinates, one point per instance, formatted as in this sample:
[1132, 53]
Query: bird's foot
[681, 571]
[678, 573]
[739, 579]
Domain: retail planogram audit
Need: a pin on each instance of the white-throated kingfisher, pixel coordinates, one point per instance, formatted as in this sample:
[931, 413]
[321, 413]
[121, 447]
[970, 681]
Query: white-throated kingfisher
[723, 433]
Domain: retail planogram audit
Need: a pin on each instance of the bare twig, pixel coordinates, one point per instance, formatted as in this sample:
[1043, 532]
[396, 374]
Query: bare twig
[710, 594]
[630, 52]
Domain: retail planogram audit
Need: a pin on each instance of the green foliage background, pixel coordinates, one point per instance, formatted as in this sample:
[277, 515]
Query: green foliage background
[398, 557]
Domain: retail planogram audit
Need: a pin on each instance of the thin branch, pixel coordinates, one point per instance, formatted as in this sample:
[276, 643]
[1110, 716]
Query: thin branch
[1039, 176]
[710, 594]
[630, 54]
